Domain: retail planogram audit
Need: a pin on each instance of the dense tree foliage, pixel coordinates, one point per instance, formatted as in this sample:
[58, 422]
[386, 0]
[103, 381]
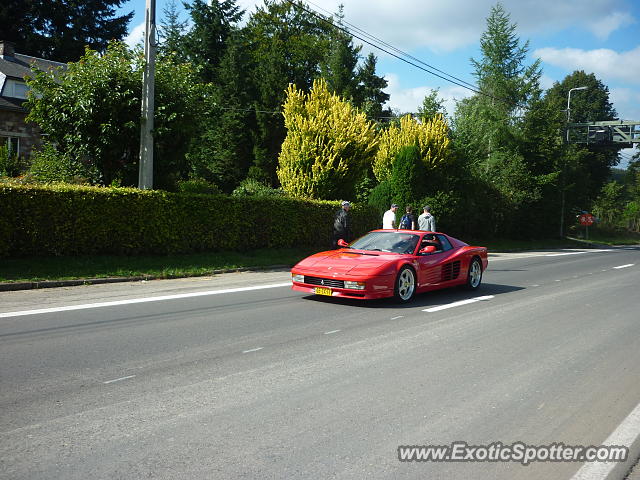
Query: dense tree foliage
[59, 30]
[91, 112]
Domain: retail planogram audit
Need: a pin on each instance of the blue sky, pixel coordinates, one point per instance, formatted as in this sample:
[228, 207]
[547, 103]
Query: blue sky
[598, 36]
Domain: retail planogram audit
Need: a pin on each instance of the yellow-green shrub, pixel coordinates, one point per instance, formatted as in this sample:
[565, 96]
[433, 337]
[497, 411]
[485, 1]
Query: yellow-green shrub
[431, 137]
[328, 144]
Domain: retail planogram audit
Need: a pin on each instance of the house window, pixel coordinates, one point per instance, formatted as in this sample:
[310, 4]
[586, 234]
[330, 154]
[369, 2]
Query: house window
[11, 143]
[15, 89]
[20, 90]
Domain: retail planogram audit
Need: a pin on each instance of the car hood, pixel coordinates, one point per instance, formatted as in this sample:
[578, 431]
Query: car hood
[341, 262]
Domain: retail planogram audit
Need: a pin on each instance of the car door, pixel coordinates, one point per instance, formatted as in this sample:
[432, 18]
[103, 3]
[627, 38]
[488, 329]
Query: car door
[431, 271]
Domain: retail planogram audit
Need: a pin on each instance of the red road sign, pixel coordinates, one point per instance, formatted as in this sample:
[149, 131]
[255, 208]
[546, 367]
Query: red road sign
[586, 219]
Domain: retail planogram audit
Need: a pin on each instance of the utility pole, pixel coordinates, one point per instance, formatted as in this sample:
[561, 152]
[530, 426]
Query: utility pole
[564, 162]
[145, 174]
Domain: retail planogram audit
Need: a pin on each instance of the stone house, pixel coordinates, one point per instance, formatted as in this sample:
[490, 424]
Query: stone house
[21, 137]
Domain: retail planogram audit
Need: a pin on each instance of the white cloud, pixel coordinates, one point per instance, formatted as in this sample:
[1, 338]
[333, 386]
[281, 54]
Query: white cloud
[409, 99]
[136, 36]
[603, 27]
[447, 25]
[626, 102]
[605, 63]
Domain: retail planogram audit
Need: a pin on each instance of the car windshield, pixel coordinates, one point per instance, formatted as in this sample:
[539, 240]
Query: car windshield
[387, 242]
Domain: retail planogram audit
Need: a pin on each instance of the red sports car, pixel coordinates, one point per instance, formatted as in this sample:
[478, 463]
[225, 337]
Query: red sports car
[386, 263]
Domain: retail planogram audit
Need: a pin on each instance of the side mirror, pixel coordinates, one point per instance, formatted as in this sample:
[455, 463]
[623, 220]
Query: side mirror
[342, 243]
[426, 250]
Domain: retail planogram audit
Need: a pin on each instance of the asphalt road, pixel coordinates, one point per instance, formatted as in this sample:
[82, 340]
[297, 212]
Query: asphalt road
[271, 383]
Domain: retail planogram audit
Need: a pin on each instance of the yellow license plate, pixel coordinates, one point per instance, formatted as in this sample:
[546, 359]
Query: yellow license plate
[323, 291]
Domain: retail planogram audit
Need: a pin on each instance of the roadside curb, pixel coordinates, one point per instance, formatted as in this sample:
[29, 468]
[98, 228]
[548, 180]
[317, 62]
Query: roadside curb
[15, 286]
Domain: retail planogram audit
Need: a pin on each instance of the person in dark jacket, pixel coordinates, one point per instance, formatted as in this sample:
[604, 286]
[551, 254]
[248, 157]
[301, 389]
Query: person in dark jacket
[342, 225]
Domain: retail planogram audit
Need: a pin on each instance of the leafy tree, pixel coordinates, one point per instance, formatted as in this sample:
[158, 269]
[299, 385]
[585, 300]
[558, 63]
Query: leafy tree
[586, 167]
[369, 94]
[432, 106]
[327, 146]
[489, 129]
[222, 151]
[172, 30]
[381, 196]
[91, 111]
[287, 45]
[212, 25]
[609, 205]
[60, 29]
[408, 175]
[431, 137]
[339, 68]
[492, 121]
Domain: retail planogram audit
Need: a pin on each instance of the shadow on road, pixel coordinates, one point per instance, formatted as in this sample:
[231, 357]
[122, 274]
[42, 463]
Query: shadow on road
[424, 300]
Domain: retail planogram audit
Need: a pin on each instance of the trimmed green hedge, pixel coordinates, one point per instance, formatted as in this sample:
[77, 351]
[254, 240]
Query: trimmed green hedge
[76, 220]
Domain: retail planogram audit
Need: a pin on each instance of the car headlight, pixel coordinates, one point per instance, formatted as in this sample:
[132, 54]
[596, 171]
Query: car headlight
[354, 285]
[297, 278]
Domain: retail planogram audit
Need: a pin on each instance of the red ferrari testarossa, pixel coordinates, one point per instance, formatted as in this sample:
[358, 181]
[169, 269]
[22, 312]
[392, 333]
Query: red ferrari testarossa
[386, 263]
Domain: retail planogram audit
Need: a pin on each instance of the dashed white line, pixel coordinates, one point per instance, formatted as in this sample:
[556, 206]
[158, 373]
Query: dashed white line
[625, 266]
[563, 254]
[253, 350]
[331, 332]
[119, 379]
[458, 304]
[396, 318]
[141, 300]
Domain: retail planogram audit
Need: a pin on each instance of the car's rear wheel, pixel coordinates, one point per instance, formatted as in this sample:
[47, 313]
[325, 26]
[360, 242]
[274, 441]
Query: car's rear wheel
[405, 287]
[474, 277]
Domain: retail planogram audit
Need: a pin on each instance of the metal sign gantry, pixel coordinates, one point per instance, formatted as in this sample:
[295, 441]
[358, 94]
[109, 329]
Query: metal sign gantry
[618, 133]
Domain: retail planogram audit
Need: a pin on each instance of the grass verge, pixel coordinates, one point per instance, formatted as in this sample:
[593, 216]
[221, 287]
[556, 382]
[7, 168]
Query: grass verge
[37, 269]
[102, 266]
[607, 236]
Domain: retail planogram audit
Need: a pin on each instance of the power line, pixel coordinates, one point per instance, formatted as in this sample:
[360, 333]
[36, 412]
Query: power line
[430, 69]
[401, 52]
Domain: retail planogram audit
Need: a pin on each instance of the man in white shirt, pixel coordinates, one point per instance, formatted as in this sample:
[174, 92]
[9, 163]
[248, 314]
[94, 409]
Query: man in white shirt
[389, 217]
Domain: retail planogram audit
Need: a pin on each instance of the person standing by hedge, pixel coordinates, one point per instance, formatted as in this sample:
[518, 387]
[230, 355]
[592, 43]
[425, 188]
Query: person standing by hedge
[426, 221]
[408, 221]
[342, 225]
[389, 217]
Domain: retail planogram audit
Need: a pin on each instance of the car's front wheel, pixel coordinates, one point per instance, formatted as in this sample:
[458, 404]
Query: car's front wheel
[474, 277]
[405, 287]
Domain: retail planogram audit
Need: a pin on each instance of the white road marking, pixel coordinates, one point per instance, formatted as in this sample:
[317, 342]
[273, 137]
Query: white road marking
[625, 266]
[119, 379]
[458, 304]
[332, 331]
[396, 318]
[624, 436]
[253, 350]
[557, 280]
[562, 254]
[140, 300]
[534, 285]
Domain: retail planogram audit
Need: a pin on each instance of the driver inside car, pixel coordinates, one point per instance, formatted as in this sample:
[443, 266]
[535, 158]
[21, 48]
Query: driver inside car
[431, 240]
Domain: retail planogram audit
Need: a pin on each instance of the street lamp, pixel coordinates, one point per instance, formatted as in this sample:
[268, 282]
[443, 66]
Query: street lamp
[569, 107]
[564, 162]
